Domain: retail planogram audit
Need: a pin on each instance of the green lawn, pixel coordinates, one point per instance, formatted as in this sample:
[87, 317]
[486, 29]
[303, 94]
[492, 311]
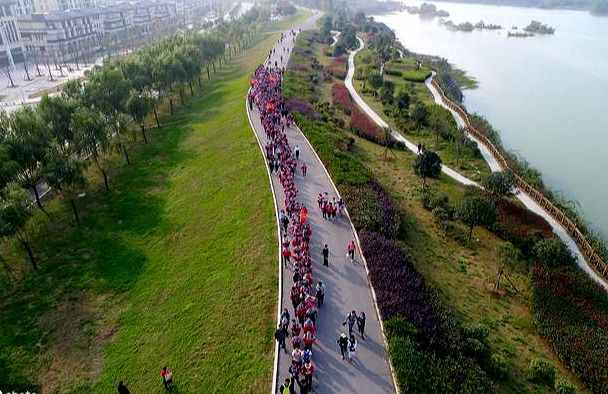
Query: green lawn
[176, 266]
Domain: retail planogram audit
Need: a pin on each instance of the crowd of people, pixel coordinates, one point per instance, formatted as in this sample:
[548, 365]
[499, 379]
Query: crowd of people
[306, 296]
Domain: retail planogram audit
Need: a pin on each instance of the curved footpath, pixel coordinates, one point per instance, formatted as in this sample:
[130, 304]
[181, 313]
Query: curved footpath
[347, 285]
[487, 155]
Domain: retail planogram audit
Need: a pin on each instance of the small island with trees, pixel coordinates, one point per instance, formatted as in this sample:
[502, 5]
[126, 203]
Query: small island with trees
[536, 27]
[468, 26]
[427, 10]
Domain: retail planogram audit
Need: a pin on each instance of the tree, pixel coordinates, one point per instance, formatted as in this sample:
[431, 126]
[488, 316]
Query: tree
[508, 255]
[499, 185]
[92, 138]
[553, 253]
[27, 141]
[375, 81]
[14, 215]
[403, 100]
[476, 211]
[56, 112]
[427, 164]
[107, 90]
[65, 173]
[419, 115]
[139, 107]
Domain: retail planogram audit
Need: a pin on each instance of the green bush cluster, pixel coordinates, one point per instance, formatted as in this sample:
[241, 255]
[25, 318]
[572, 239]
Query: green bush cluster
[541, 371]
[571, 312]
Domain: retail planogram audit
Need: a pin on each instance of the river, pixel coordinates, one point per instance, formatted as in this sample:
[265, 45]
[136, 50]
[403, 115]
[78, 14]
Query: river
[548, 95]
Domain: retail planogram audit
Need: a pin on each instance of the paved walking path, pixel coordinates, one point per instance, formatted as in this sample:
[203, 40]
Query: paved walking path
[487, 155]
[347, 285]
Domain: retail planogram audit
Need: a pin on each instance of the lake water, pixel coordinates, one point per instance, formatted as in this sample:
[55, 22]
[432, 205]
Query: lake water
[548, 95]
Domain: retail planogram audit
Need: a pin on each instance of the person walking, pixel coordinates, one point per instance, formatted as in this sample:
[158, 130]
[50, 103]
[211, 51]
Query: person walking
[326, 256]
[350, 250]
[286, 256]
[352, 347]
[320, 294]
[304, 168]
[351, 319]
[343, 344]
[361, 324]
[297, 152]
[280, 334]
[167, 377]
[308, 371]
[122, 389]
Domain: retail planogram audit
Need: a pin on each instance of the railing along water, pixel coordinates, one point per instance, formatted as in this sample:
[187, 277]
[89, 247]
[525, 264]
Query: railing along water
[585, 246]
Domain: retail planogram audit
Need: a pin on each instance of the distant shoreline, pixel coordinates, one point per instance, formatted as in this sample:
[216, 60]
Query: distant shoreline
[514, 3]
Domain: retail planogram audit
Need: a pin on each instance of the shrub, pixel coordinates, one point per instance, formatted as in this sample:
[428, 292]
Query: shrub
[441, 216]
[520, 226]
[571, 312]
[499, 368]
[422, 371]
[541, 371]
[341, 97]
[553, 252]
[416, 75]
[301, 106]
[364, 127]
[372, 209]
[395, 73]
[402, 292]
[476, 331]
[337, 67]
[562, 386]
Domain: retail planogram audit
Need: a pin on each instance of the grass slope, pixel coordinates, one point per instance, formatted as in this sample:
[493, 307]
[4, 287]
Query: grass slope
[176, 266]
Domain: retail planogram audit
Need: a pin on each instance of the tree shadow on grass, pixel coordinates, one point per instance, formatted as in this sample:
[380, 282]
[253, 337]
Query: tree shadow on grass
[106, 255]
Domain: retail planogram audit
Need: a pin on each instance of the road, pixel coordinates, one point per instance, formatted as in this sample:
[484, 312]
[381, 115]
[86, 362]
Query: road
[347, 285]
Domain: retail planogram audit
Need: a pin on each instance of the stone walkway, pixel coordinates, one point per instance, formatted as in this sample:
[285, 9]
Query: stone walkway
[347, 285]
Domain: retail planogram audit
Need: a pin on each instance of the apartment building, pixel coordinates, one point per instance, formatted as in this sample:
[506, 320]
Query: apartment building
[63, 36]
[10, 38]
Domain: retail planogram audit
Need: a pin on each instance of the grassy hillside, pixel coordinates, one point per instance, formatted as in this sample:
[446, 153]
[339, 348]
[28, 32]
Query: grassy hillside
[176, 266]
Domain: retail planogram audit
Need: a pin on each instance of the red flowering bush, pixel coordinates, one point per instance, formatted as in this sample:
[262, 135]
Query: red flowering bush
[337, 67]
[301, 106]
[341, 97]
[364, 127]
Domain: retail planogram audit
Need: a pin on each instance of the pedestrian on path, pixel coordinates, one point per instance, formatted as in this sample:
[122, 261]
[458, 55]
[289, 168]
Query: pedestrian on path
[320, 294]
[350, 250]
[326, 256]
[352, 347]
[308, 371]
[304, 168]
[297, 152]
[122, 389]
[286, 255]
[167, 378]
[280, 334]
[361, 324]
[343, 344]
[351, 319]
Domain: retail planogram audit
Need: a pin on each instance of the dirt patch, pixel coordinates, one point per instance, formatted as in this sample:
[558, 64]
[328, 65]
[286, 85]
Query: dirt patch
[77, 331]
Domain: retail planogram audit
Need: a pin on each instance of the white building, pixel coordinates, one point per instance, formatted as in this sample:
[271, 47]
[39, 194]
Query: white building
[10, 39]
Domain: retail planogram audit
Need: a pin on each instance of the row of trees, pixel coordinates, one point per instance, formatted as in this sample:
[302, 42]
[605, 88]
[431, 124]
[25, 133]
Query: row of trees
[52, 144]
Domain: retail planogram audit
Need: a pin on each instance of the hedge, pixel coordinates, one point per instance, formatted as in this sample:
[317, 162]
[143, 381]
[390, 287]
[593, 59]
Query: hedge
[371, 208]
[416, 75]
[571, 312]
